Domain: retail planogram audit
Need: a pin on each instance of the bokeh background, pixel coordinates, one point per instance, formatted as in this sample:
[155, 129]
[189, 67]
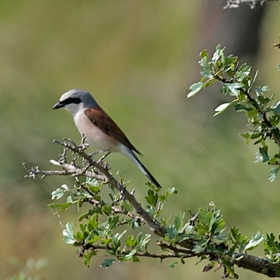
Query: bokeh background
[138, 59]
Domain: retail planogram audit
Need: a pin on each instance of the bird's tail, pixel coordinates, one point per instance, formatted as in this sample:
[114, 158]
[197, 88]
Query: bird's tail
[142, 168]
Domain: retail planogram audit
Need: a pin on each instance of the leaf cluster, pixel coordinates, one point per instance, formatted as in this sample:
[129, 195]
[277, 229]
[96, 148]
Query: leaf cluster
[104, 225]
[262, 112]
[115, 227]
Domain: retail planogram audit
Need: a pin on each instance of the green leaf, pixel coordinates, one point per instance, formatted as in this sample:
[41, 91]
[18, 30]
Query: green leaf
[260, 90]
[57, 194]
[273, 174]
[273, 160]
[217, 54]
[62, 206]
[201, 245]
[65, 187]
[234, 88]
[195, 88]
[258, 157]
[68, 234]
[92, 238]
[107, 263]
[93, 222]
[272, 247]
[152, 197]
[119, 236]
[243, 72]
[179, 221]
[87, 258]
[221, 108]
[143, 240]
[163, 197]
[263, 153]
[129, 256]
[275, 119]
[234, 231]
[69, 199]
[135, 259]
[188, 229]
[204, 54]
[112, 221]
[172, 265]
[205, 65]
[127, 206]
[239, 107]
[231, 60]
[135, 223]
[253, 115]
[130, 241]
[92, 182]
[255, 77]
[255, 241]
[171, 232]
[239, 239]
[209, 82]
[276, 108]
[106, 209]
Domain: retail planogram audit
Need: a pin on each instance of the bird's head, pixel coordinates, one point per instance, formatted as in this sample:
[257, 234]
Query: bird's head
[76, 100]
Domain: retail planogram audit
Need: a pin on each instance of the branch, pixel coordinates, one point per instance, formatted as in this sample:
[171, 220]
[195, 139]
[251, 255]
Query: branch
[252, 3]
[123, 253]
[201, 236]
[252, 263]
[257, 264]
[68, 169]
[76, 171]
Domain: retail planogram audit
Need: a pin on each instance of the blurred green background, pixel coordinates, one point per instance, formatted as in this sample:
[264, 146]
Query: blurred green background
[138, 59]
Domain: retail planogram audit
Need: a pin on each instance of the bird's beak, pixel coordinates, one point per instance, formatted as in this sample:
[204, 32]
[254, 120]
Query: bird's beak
[58, 105]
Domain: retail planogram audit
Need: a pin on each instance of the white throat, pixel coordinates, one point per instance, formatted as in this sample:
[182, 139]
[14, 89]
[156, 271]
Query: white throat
[74, 108]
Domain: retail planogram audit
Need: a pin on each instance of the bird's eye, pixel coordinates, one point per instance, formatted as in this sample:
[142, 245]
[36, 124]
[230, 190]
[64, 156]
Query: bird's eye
[71, 100]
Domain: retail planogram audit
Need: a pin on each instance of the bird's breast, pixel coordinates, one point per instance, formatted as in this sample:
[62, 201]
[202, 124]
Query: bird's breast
[94, 135]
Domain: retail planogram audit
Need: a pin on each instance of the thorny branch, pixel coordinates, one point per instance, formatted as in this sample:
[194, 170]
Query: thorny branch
[139, 254]
[99, 172]
[253, 263]
[180, 250]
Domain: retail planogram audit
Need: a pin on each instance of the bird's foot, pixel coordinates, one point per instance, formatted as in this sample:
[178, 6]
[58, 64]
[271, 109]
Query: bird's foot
[104, 164]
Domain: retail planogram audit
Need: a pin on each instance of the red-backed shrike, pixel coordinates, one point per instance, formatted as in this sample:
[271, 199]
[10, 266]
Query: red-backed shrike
[99, 129]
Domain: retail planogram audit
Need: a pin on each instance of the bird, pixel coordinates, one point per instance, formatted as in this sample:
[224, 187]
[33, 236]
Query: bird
[98, 128]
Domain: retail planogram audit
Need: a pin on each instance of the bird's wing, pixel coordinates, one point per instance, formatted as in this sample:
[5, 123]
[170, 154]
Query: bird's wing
[99, 118]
